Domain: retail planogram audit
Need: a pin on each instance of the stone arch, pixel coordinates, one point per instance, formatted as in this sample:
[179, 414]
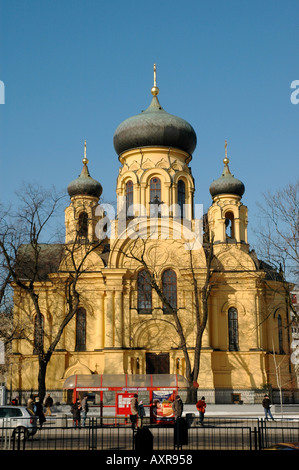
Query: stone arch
[151, 172]
[123, 179]
[156, 335]
[78, 368]
[184, 176]
[176, 248]
[93, 261]
[234, 259]
[233, 304]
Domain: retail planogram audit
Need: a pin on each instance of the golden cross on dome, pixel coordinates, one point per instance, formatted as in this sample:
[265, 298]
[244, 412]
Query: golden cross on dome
[155, 89]
[85, 160]
[226, 160]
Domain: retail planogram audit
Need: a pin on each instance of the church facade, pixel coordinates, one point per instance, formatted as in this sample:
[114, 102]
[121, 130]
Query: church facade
[122, 325]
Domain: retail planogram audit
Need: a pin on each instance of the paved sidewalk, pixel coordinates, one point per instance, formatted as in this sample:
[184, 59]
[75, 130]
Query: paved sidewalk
[221, 410]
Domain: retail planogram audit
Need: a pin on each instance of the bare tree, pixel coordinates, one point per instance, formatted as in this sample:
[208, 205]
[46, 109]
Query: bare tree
[27, 262]
[279, 231]
[201, 289]
[279, 239]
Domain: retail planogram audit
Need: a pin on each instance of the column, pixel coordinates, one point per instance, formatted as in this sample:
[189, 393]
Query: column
[109, 307]
[114, 307]
[118, 331]
[100, 327]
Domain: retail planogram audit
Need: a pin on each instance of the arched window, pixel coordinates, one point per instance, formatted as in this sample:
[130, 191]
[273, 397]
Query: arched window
[81, 330]
[230, 225]
[169, 288]
[280, 335]
[38, 334]
[129, 195]
[144, 292]
[181, 196]
[83, 225]
[155, 190]
[233, 329]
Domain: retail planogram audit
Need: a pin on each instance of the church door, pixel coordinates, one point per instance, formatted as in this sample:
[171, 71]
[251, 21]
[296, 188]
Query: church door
[157, 363]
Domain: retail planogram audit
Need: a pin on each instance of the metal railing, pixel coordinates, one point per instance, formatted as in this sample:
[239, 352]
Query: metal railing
[113, 434]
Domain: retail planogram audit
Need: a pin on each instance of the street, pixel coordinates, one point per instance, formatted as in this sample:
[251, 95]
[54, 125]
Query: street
[217, 434]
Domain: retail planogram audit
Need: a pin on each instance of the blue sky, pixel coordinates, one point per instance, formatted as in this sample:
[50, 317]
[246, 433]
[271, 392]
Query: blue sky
[74, 70]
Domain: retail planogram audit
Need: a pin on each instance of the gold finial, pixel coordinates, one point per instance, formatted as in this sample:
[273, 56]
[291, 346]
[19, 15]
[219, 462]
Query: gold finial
[225, 160]
[85, 160]
[155, 89]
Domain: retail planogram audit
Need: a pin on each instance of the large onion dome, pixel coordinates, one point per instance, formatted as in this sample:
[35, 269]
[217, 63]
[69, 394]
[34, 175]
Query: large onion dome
[154, 127]
[85, 185]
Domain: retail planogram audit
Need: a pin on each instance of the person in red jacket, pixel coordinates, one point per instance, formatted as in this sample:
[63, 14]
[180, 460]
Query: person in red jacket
[201, 406]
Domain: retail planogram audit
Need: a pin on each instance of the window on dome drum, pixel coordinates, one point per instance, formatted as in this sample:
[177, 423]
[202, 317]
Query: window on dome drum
[38, 334]
[169, 288]
[129, 195]
[181, 196]
[144, 293]
[280, 337]
[155, 190]
[233, 329]
[230, 225]
[83, 225]
[81, 330]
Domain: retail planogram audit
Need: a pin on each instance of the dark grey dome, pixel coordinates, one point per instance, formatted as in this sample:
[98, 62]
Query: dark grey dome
[85, 185]
[227, 184]
[154, 127]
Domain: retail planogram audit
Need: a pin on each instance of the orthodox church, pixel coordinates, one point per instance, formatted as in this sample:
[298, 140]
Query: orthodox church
[122, 325]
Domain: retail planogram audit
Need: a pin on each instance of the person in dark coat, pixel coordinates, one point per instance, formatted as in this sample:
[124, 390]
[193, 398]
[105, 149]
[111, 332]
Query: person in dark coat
[39, 411]
[84, 405]
[76, 412]
[177, 407]
[48, 405]
[134, 410]
[267, 407]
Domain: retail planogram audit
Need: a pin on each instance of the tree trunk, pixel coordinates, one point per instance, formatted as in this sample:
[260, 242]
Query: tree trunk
[42, 379]
[191, 394]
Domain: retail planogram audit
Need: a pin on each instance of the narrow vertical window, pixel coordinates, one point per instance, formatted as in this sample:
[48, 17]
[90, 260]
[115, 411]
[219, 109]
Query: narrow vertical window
[129, 195]
[181, 196]
[230, 225]
[155, 190]
[233, 329]
[81, 330]
[280, 336]
[144, 292]
[38, 334]
[83, 225]
[169, 288]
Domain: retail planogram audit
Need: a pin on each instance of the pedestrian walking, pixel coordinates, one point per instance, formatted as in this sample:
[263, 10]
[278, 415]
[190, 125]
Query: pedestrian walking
[267, 407]
[39, 411]
[76, 412]
[201, 407]
[48, 405]
[84, 405]
[177, 407]
[30, 403]
[134, 410]
[15, 401]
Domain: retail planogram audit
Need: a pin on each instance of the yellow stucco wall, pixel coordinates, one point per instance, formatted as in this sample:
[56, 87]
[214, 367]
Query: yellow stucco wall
[118, 337]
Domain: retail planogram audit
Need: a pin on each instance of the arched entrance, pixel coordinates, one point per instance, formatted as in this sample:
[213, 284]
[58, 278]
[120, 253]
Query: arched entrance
[157, 363]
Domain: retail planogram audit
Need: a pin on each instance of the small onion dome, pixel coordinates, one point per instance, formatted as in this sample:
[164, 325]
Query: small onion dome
[154, 127]
[85, 185]
[227, 183]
